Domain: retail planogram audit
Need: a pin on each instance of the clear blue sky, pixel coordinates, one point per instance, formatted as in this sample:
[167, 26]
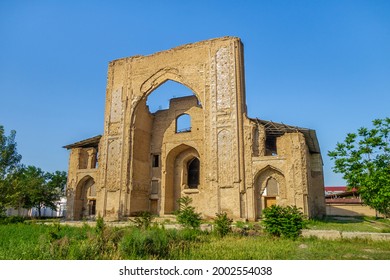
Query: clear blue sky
[323, 65]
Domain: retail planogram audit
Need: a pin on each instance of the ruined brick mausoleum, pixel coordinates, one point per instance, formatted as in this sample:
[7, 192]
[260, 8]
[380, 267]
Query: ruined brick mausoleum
[225, 161]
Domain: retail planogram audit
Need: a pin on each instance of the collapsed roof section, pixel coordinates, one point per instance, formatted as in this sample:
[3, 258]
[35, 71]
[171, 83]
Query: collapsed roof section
[278, 129]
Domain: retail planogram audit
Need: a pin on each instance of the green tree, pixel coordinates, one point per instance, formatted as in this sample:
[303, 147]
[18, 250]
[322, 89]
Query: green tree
[9, 157]
[16, 193]
[364, 160]
[57, 180]
[9, 164]
[26, 187]
[38, 188]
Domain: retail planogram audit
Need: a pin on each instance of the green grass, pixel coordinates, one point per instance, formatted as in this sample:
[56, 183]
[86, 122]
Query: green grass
[267, 248]
[361, 224]
[38, 241]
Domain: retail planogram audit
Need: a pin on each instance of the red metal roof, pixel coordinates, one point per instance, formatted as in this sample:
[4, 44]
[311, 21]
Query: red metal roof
[339, 189]
[336, 188]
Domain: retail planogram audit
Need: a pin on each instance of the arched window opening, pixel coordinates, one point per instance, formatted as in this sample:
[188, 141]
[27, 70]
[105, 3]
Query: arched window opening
[159, 98]
[183, 123]
[193, 173]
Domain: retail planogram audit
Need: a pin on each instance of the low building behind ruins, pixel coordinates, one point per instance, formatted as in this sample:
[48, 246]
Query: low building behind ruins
[224, 160]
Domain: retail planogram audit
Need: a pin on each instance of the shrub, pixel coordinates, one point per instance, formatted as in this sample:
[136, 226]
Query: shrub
[55, 232]
[223, 224]
[143, 220]
[283, 221]
[11, 220]
[100, 225]
[186, 215]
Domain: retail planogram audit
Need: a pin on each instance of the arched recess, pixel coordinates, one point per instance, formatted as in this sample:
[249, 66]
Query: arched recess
[85, 199]
[183, 163]
[270, 188]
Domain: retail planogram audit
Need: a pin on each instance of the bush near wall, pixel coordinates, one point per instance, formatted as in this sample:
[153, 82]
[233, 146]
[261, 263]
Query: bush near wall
[283, 221]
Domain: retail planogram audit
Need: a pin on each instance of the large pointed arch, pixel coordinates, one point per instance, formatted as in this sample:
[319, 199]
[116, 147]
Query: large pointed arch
[152, 84]
[162, 76]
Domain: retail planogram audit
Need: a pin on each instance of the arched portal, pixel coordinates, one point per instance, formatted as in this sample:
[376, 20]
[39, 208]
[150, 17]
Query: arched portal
[269, 189]
[85, 200]
[213, 71]
[153, 130]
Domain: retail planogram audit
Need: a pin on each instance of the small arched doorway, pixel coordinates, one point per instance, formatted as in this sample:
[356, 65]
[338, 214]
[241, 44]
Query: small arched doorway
[269, 189]
[85, 202]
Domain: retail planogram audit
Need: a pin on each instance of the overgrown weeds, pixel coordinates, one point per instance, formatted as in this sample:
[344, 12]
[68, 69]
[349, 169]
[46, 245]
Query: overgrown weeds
[143, 220]
[158, 243]
[91, 243]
